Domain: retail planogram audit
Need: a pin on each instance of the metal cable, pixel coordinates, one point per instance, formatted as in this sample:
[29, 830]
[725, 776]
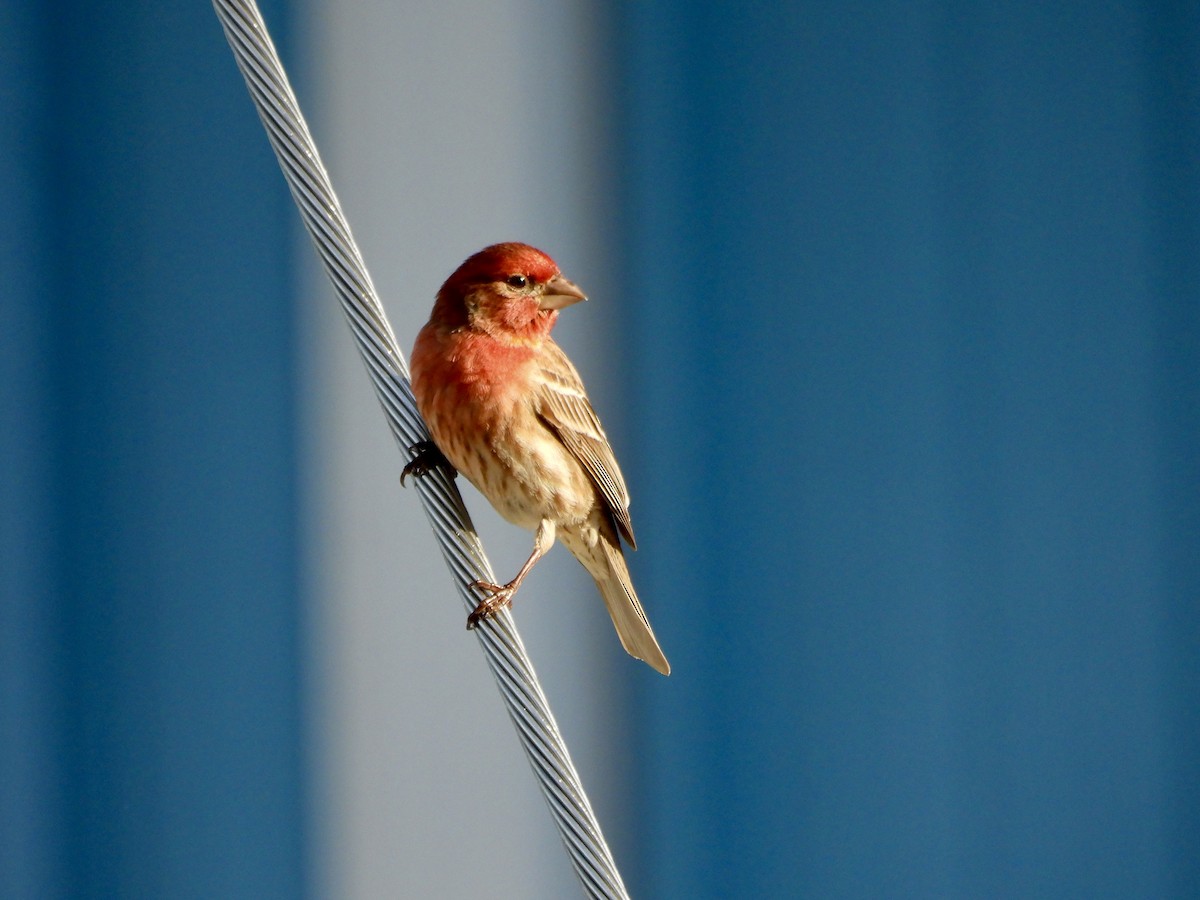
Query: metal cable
[461, 548]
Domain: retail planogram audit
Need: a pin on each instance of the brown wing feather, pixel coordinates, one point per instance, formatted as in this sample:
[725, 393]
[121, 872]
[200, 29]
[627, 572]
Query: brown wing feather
[564, 407]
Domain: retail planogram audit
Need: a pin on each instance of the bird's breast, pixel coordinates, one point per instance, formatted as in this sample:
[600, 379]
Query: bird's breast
[479, 404]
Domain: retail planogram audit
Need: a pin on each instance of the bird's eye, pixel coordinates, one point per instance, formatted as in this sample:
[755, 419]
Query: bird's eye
[517, 281]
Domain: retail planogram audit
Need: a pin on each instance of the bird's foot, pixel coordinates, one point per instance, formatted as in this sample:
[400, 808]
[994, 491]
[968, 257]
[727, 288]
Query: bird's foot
[426, 458]
[495, 598]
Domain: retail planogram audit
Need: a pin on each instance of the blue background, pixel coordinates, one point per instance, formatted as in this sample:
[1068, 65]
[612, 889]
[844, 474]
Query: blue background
[918, 413]
[911, 365]
[149, 721]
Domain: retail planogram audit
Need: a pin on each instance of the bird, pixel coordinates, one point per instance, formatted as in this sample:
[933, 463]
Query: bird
[505, 407]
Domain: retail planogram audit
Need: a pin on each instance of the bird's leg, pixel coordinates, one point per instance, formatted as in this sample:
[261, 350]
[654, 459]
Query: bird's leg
[426, 457]
[498, 596]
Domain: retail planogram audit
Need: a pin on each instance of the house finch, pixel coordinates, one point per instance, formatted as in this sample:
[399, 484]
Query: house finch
[507, 409]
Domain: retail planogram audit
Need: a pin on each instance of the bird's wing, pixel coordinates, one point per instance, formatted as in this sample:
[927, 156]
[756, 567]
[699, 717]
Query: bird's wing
[564, 407]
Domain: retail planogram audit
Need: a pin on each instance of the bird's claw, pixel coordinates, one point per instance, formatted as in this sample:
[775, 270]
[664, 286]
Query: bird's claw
[495, 598]
[426, 458]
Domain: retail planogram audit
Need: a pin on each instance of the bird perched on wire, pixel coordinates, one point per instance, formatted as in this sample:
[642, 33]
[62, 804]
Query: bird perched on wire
[506, 408]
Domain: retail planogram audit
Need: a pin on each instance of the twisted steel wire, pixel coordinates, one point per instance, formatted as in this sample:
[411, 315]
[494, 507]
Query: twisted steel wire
[327, 226]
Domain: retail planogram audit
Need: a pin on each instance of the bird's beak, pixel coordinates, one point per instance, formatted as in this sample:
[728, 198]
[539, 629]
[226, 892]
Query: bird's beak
[559, 293]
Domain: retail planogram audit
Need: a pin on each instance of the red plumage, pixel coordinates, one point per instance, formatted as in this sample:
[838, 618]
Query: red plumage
[508, 410]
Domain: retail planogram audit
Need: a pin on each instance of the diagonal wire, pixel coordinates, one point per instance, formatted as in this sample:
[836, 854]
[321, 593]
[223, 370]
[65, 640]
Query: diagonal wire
[461, 548]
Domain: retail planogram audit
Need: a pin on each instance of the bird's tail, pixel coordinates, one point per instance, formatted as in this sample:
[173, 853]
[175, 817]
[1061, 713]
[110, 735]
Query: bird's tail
[637, 637]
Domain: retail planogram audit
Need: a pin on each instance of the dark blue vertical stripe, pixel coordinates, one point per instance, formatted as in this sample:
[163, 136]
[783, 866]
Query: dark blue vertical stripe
[916, 481]
[1173, 63]
[28, 798]
[157, 435]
